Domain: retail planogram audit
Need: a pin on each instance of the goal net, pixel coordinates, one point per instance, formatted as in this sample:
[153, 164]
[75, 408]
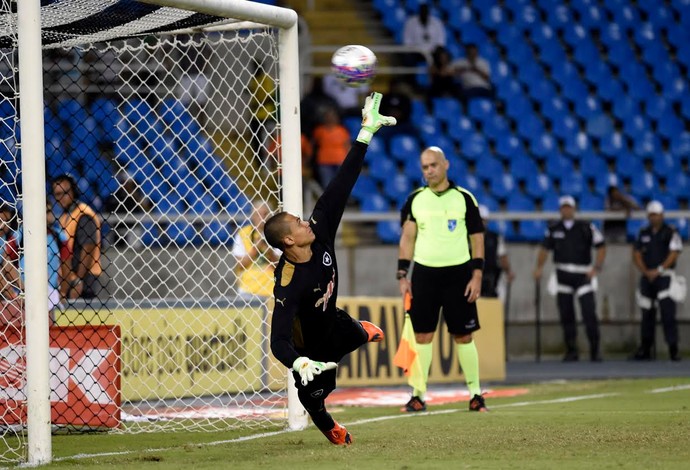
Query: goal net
[168, 126]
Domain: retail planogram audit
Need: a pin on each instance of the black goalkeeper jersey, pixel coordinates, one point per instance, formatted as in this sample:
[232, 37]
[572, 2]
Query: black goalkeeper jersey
[305, 317]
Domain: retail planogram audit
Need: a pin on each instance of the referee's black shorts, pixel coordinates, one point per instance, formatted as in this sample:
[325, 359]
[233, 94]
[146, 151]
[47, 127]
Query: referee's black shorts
[434, 289]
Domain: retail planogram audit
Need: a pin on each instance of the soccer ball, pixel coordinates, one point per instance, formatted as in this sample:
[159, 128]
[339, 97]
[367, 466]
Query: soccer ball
[354, 65]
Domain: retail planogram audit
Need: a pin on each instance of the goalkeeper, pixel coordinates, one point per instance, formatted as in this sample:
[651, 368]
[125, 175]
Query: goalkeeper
[308, 333]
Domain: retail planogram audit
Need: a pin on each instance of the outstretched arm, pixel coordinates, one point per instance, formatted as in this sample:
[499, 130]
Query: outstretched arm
[331, 205]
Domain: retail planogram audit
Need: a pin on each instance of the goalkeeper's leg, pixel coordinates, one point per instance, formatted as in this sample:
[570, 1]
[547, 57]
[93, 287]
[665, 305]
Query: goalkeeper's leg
[313, 398]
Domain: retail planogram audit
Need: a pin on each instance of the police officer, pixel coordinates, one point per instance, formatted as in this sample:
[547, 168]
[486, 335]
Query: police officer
[572, 242]
[495, 258]
[656, 250]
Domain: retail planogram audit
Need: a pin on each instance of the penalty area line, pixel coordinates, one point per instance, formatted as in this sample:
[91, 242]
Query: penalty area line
[353, 423]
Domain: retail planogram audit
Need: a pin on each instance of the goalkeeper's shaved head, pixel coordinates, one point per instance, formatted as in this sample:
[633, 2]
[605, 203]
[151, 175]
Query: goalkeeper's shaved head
[277, 228]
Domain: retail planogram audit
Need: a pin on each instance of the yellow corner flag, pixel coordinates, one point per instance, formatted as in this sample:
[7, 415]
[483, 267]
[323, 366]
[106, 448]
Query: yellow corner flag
[406, 357]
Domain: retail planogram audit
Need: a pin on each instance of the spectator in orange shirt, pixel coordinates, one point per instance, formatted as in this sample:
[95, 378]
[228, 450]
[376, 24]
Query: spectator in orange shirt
[331, 144]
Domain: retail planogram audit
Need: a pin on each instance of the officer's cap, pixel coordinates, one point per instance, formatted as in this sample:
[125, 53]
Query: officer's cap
[566, 201]
[655, 207]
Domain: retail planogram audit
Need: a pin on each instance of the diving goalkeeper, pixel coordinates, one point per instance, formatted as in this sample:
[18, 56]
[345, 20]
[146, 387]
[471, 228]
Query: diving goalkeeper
[309, 334]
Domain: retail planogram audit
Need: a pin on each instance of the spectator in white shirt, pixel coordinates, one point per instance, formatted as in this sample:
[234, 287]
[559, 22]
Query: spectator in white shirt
[424, 31]
[474, 73]
[349, 99]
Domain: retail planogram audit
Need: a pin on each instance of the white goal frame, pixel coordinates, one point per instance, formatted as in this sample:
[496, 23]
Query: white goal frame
[247, 15]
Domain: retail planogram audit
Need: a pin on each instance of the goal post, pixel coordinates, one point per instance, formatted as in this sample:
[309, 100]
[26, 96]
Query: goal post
[171, 311]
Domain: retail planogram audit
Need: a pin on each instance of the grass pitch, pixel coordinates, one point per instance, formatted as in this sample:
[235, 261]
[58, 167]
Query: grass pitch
[622, 424]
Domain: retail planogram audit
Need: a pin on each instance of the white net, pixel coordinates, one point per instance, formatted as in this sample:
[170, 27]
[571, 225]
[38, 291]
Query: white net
[169, 139]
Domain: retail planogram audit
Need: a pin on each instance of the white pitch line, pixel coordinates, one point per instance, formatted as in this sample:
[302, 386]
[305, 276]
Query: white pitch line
[362, 421]
[670, 389]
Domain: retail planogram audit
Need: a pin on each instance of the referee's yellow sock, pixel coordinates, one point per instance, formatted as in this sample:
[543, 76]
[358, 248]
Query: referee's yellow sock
[469, 361]
[426, 353]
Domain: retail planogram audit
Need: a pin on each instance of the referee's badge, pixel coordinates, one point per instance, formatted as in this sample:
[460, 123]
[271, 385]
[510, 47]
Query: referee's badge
[452, 224]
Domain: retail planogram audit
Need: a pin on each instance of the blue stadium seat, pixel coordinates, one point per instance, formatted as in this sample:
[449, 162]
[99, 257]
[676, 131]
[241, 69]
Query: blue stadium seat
[669, 126]
[643, 185]
[460, 128]
[364, 187]
[404, 147]
[635, 125]
[501, 185]
[217, 233]
[577, 144]
[646, 144]
[625, 106]
[397, 187]
[413, 170]
[518, 202]
[550, 202]
[474, 146]
[481, 109]
[587, 107]
[488, 167]
[565, 127]
[380, 166]
[543, 146]
[538, 185]
[375, 203]
[588, 201]
[151, 235]
[532, 230]
[633, 227]
[458, 167]
[509, 145]
[182, 233]
[496, 127]
[611, 90]
[445, 109]
[679, 184]
[666, 165]
[599, 125]
[680, 144]
[573, 183]
[530, 126]
[612, 144]
[628, 165]
[558, 166]
[388, 231]
[522, 166]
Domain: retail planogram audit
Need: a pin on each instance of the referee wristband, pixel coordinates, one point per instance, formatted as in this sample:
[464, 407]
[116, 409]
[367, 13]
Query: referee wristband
[477, 263]
[403, 268]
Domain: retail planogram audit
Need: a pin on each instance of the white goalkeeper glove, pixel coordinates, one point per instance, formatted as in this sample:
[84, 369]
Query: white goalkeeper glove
[307, 368]
[372, 120]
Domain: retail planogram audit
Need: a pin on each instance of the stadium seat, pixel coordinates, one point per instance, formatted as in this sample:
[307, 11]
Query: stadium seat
[558, 166]
[628, 165]
[182, 233]
[474, 146]
[680, 144]
[565, 126]
[501, 185]
[543, 146]
[481, 109]
[375, 203]
[404, 147]
[397, 187]
[573, 183]
[460, 128]
[646, 144]
[532, 230]
[588, 106]
[633, 227]
[445, 109]
[522, 166]
[599, 125]
[643, 185]
[488, 167]
[496, 127]
[381, 167]
[588, 201]
[364, 187]
[388, 231]
[413, 170]
[217, 233]
[518, 202]
[612, 144]
[577, 144]
[507, 146]
[538, 185]
[550, 202]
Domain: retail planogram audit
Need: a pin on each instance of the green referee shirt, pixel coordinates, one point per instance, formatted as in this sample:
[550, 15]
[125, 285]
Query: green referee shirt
[444, 221]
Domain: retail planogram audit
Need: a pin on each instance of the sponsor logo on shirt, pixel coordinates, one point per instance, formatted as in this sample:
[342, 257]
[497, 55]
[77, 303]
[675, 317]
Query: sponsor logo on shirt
[323, 301]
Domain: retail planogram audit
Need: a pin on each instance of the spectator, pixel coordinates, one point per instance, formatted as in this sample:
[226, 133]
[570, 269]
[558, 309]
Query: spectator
[398, 104]
[81, 270]
[331, 144]
[617, 201]
[424, 32]
[263, 104]
[474, 73]
[310, 187]
[10, 302]
[655, 253]
[255, 259]
[495, 256]
[192, 88]
[442, 77]
[571, 242]
[349, 99]
[128, 199]
[314, 106]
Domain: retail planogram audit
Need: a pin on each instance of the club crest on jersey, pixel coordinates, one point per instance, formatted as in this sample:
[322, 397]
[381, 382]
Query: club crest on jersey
[452, 224]
[327, 260]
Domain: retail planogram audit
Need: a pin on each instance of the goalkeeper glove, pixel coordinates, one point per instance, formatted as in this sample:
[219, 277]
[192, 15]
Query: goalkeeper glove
[372, 120]
[307, 368]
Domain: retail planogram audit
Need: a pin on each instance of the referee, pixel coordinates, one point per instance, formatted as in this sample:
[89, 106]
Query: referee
[656, 250]
[441, 228]
[571, 242]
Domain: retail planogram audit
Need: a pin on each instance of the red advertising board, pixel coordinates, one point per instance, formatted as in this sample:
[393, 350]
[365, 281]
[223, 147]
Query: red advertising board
[84, 376]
